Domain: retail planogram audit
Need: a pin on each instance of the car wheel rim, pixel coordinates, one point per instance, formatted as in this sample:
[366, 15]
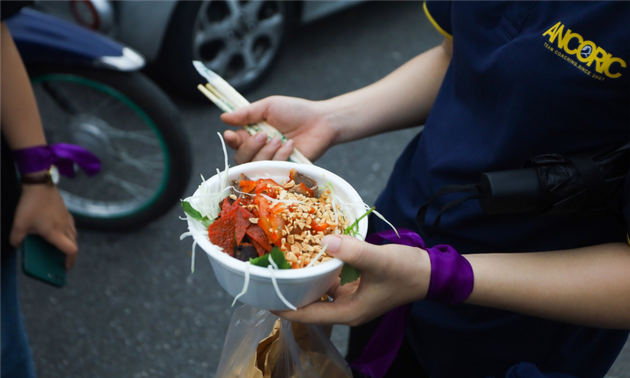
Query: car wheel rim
[238, 39]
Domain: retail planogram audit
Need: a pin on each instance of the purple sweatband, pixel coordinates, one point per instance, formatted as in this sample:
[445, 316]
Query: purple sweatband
[62, 155]
[452, 276]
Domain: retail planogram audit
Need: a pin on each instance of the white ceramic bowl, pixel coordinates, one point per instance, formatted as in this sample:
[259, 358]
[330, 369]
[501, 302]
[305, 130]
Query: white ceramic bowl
[299, 286]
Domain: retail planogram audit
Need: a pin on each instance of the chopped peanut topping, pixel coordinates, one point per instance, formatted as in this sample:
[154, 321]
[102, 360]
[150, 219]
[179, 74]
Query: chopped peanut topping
[296, 248]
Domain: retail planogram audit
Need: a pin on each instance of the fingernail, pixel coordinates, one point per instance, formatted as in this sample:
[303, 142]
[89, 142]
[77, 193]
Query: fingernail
[332, 242]
[275, 141]
[260, 137]
[289, 143]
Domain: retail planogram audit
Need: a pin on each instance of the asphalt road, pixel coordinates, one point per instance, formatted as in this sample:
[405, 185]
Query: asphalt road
[132, 308]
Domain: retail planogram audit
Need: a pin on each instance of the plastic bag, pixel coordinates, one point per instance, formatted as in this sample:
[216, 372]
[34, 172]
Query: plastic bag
[261, 345]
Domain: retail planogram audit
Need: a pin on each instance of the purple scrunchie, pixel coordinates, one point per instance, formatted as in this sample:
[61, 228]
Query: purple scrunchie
[451, 282]
[62, 155]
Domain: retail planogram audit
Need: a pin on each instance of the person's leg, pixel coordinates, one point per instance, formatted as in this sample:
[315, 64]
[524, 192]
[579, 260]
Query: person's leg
[17, 361]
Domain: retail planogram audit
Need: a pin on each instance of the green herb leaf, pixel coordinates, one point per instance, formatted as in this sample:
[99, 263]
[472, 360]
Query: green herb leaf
[188, 209]
[349, 274]
[262, 261]
[278, 257]
[194, 214]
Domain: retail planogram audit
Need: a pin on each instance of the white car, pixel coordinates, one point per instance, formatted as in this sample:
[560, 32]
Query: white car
[239, 40]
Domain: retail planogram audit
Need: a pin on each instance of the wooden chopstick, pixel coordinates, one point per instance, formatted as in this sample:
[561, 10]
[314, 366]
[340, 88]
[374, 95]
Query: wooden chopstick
[228, 99]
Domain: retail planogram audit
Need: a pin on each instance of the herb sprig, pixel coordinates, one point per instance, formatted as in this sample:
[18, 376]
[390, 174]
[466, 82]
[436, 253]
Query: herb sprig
[348, 272]
[194, 214]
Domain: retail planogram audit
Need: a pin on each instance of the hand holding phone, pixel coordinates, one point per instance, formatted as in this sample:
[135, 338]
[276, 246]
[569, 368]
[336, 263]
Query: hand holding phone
[43, 261]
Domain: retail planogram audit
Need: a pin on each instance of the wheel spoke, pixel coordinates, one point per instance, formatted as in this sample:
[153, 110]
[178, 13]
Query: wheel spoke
[220, 63]
[58, 97]
[271, 27]
[212, 31]
[146, 137]
[202, 15]
[252, 8]
[105, 103]
[146, 166]
[151, 167]
[248, 57]
[139, 192]
[43, 90]
[234, 6]
[95, 183]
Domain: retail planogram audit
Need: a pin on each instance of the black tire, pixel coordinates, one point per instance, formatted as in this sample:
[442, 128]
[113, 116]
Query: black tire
[166, 128]
[174, 63]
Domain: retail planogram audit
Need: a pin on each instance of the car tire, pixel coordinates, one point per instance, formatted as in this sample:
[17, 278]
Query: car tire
[240, 44]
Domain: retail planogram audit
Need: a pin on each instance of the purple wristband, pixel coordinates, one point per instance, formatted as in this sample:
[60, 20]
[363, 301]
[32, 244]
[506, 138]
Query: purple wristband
[62, 155]
[452, 277]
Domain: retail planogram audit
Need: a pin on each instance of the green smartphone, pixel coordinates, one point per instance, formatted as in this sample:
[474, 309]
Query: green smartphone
[43, 261]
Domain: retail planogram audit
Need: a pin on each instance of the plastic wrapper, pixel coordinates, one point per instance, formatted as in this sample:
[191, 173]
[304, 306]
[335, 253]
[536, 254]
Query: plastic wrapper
[261, 345]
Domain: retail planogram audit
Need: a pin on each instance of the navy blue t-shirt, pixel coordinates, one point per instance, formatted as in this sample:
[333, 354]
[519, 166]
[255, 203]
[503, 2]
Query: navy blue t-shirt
[525, 79]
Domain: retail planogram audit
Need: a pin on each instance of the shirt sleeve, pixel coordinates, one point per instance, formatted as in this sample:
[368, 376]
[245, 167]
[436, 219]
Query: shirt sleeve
[9, 7]
[439, 13]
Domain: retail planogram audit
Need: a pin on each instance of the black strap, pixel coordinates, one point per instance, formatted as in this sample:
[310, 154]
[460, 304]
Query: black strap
[422, 212]
[591, 172]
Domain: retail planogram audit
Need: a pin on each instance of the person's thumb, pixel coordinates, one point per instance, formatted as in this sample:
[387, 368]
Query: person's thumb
[359, 254]
[253, 113]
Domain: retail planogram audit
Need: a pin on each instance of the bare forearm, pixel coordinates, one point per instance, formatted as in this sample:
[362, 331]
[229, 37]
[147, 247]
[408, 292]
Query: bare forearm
[21, 125]
[400, 100]
[588, 286]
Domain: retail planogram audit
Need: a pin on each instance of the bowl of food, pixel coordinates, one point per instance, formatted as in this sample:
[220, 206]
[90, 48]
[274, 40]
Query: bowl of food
[261, 225]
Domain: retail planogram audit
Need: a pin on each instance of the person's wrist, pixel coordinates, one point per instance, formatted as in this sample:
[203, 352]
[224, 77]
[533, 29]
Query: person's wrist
[422, 278]
[332, 115]
[48, 177]
[34, 174]
[412, 269]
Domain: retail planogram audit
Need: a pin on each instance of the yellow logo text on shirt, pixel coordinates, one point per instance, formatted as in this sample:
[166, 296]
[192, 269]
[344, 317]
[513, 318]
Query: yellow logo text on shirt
[585, 51]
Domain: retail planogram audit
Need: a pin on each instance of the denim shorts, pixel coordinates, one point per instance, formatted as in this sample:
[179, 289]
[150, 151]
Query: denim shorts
[17, 361]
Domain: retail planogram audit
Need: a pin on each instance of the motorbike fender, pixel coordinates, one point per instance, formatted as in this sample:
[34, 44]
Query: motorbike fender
[42, 38]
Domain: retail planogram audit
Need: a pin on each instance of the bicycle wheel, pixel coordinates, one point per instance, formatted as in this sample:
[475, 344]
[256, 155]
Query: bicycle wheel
[132, 126]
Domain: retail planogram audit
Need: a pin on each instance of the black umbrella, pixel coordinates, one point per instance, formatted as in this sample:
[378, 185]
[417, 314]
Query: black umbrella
[550, 184]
